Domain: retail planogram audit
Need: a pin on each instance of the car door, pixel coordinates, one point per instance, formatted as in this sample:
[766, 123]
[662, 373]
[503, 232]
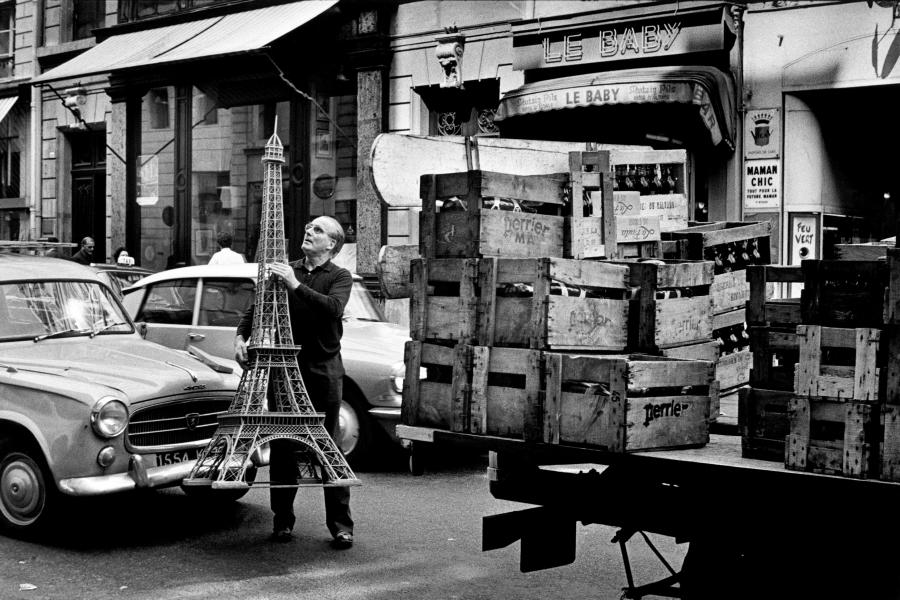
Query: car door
[222, 303]
[168, 310]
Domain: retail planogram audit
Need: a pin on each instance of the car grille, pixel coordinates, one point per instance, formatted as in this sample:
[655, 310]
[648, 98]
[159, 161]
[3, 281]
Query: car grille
[177, 422]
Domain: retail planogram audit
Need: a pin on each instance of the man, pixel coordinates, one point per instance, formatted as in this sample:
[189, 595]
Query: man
[318, 291]
[85, 253]
[225, 255]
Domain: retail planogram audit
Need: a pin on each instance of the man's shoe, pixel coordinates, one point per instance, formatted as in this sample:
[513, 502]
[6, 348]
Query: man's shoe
[342, 541]
[281, 535]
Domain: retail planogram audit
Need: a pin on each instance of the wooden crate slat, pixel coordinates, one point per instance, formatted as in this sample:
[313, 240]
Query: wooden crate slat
[890, 447]
[733, 370]
[547, 189]
[680, 321]
[892, 302]
[669, 373]
[730, 291]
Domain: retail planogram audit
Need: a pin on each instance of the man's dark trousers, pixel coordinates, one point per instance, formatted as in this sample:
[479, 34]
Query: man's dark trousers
[324, 383]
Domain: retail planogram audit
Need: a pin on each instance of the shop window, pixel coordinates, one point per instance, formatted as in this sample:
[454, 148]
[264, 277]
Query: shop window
[7, 38]
[468, 111]
[134, 10]
[87, 15]
[334, 161]
[159, 108]
[205, 110]
[9, 174]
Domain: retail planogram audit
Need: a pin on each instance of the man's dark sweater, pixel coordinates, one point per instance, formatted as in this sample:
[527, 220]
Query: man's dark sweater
[316, 308]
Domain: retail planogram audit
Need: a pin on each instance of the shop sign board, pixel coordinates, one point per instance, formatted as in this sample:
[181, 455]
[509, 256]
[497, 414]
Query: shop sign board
[804, 237]
[762, 184]
[762, 133]
[614, 41]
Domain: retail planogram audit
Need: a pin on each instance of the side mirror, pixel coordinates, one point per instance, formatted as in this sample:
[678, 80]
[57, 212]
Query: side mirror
[142, 329]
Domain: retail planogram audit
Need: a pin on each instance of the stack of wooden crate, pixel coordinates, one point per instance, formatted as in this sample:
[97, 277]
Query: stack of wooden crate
[511, 339]
[830, 419]
[732, 247]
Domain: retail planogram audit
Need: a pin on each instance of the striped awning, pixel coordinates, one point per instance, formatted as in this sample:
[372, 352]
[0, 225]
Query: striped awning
[216, 36]
[708, 88]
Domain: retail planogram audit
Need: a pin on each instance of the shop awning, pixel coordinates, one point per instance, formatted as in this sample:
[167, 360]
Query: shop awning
[708, 88]
[227, 34]
[6, 105]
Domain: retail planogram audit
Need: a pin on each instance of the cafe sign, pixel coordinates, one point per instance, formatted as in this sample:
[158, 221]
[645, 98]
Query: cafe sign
[534, 47]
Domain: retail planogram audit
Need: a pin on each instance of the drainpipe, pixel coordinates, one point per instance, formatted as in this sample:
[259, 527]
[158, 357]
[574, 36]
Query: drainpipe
[737, 14]
[36, 129]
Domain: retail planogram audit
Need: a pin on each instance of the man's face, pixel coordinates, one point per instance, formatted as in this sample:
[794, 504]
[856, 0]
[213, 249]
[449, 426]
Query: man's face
[317, 239]
[89, 246]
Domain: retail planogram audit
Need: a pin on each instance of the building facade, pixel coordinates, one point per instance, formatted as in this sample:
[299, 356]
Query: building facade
[140, 122]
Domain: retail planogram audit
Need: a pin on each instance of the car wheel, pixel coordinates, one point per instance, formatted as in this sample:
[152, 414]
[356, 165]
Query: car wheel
[354, 432]
[26, 498]
[207, 493]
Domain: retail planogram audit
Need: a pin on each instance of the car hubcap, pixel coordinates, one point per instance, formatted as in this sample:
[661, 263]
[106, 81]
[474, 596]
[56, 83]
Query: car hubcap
[21, 492]
[348, 424]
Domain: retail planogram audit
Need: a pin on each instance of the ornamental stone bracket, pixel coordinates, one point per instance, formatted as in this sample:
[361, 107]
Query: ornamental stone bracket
[449, 52]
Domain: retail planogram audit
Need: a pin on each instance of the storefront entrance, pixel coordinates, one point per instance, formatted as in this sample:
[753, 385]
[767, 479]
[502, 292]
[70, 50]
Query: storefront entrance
[89, 189]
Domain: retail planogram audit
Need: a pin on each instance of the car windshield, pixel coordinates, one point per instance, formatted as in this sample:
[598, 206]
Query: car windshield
[33, 309]
[362, 306]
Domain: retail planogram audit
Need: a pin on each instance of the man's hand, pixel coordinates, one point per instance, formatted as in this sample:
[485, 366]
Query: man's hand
[240, 352]
[286, 273]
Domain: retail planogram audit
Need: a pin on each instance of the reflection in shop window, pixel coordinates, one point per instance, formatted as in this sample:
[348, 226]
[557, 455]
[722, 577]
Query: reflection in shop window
[7, 37]
[159, 108]
[333, 161]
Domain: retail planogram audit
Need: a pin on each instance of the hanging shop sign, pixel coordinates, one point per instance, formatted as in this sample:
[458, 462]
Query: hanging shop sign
[539, 44]
[762, 133]
[762, 184]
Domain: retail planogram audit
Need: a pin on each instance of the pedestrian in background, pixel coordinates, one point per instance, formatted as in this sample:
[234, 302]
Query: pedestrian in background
[85, 253]
[225, 255]
[318, 291]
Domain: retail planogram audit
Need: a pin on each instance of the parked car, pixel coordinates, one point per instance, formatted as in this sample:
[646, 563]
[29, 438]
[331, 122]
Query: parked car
[201, 306]
[119, 277]
[87, 406]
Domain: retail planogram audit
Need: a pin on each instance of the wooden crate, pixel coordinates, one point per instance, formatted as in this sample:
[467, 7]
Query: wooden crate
[762, 308]
[775, 356]
[473, 231]
[591, 228]
[436, 400]
[474, 389]
[763, 421]
[444, 299]
[853, 371]
[844, 293]
[552, 303]
[892, 302]
[866, 251]
[671, 305]
[627, 403]
[704, 240]
[393, 270]
[835, 437]
[543, 303]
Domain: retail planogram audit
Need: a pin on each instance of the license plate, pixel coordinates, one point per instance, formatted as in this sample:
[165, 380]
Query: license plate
[171, 458]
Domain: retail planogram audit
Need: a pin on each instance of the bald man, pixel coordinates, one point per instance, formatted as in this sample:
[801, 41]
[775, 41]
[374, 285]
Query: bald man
[85, 254]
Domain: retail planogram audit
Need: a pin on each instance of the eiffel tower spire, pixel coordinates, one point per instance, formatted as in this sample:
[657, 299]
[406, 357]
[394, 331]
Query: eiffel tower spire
[271, 402]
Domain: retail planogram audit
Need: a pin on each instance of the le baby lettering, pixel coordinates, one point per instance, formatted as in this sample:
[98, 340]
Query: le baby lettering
[674, 409]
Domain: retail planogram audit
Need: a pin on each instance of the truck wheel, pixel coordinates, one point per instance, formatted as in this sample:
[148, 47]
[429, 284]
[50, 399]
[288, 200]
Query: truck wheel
[27, 494]
[416, 459]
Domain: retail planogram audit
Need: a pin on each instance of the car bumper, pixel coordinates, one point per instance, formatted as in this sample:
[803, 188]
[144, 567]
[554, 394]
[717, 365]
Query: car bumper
[387, 417]
[138, 476]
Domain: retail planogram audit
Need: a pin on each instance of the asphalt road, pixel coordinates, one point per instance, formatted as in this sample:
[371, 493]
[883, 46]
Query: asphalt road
[416, 538]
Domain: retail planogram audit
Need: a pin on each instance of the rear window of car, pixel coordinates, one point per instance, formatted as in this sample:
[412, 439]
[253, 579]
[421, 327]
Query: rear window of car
[224, 301]
[169, 302]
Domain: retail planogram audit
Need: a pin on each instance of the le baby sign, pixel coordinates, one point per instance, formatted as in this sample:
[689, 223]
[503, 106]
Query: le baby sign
[762, 184]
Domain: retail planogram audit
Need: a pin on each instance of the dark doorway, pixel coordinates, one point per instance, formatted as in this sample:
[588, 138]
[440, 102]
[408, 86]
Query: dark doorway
[89, 189]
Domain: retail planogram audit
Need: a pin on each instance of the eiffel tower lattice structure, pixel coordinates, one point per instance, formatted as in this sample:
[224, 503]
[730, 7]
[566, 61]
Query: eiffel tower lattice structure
[271, 402]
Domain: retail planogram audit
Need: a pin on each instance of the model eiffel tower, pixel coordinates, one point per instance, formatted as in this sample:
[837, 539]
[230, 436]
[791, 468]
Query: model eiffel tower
[271, 402]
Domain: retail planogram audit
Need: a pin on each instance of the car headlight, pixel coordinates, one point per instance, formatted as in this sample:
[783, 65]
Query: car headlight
[109, 417]
[399, 375]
